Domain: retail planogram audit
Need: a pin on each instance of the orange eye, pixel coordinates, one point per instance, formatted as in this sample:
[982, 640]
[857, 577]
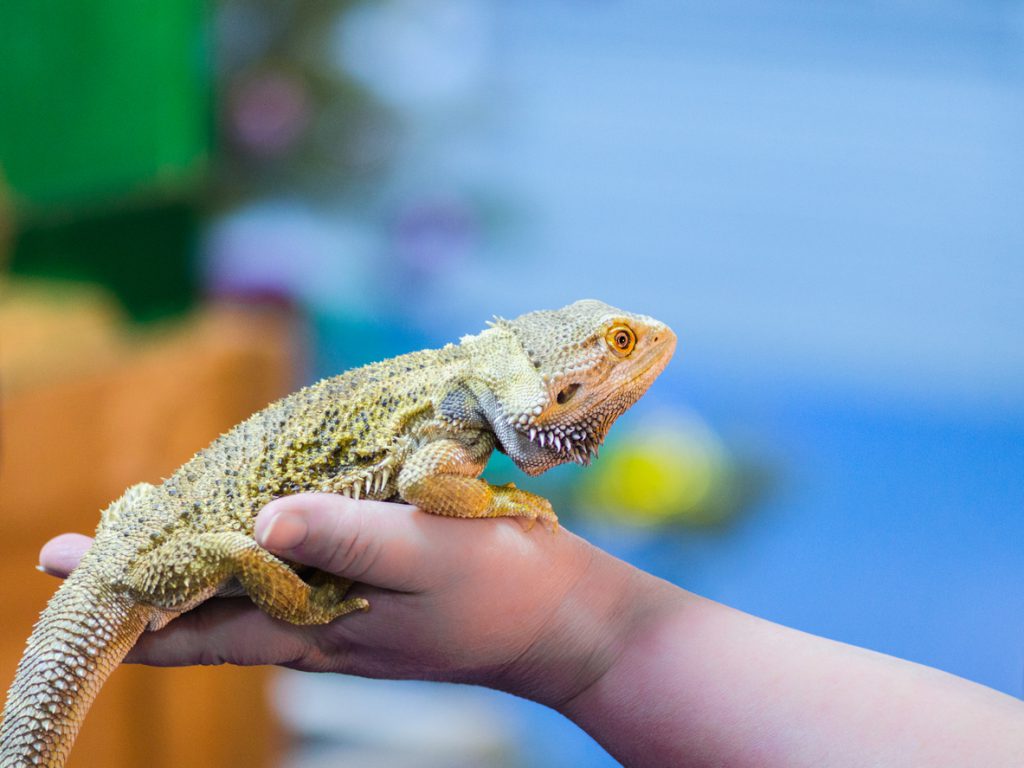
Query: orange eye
[621, 339]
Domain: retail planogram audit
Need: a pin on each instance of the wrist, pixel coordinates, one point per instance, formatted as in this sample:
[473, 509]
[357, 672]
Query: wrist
[634, 707]
[589, 632]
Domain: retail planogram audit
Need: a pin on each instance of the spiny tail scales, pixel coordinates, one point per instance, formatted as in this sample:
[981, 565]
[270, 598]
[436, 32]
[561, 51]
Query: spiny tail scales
[83, 634]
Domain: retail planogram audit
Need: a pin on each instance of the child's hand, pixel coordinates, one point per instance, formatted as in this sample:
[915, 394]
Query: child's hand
[657, 675]
[463, 600]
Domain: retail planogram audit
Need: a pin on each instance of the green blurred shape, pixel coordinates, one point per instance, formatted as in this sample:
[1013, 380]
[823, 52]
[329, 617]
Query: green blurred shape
[144, 255]
[104, 133]
[101, 100]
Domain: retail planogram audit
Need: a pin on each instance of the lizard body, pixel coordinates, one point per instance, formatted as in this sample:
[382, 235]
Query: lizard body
[543, 388]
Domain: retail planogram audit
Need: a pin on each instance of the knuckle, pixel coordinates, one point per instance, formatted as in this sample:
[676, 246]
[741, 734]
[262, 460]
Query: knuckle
[352, 549]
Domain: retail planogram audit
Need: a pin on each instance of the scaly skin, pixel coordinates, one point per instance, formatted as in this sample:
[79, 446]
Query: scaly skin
[543, 388]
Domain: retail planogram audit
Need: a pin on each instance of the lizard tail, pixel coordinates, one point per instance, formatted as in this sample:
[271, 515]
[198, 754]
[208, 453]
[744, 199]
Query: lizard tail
[84, 633]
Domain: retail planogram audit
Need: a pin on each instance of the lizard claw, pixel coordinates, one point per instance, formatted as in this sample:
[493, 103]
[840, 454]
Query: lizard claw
[545, 514]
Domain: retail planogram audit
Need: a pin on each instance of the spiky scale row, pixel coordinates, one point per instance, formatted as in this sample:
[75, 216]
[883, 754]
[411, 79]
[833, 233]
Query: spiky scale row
[370, 484]
[572, 442]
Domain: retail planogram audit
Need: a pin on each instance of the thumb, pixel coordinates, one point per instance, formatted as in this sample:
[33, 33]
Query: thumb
[373, 542]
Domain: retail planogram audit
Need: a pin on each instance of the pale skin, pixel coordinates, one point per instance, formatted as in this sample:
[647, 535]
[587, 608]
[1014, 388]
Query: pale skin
[657, 675]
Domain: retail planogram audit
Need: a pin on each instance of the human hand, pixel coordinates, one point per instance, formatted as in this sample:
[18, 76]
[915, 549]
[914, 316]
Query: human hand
[658, 676]
[461, 600]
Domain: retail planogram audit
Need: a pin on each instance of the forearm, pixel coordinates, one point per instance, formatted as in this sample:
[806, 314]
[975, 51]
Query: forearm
[657, 675]
[692, 682]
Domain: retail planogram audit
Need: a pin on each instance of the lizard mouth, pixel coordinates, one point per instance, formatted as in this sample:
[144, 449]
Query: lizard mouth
[580, 441]
[576, 443]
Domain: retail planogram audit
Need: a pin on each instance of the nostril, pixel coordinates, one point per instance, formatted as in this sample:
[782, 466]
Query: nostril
[566, 394]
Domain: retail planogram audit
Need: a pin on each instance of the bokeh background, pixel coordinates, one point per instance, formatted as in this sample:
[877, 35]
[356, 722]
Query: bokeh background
[205, 204]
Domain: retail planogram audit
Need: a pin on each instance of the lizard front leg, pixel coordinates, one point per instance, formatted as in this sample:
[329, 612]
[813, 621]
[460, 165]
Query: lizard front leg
[183, 572]
[442, 477]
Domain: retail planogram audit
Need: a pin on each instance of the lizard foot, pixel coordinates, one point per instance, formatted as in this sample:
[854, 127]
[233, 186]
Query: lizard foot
[327, 596]
[509, 501]
[550, 523]
[461, 496]
[175, 576]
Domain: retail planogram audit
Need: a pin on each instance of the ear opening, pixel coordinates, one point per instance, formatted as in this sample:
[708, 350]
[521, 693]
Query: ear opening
[566, 394]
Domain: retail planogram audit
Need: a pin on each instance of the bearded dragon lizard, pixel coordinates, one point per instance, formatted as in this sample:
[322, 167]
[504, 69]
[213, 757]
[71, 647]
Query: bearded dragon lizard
[543, 388]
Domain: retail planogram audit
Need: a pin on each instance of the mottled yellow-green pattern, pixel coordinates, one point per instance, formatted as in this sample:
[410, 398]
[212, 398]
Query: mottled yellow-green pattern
[543, 388]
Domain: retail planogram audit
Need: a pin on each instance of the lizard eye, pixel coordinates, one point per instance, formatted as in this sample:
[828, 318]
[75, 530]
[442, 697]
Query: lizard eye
[621, 339]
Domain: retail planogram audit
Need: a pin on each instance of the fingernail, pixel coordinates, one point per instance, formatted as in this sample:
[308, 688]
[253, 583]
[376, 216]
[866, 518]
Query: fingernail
[286, 530]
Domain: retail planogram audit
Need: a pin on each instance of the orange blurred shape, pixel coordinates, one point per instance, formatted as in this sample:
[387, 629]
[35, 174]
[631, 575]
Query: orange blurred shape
[87, 409]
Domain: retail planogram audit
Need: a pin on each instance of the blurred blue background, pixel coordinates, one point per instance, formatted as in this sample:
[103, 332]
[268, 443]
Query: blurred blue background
[824, 200]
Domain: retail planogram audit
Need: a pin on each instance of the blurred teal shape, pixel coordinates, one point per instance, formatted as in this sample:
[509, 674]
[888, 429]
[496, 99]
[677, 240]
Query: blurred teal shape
[346, 339]
[101, 100]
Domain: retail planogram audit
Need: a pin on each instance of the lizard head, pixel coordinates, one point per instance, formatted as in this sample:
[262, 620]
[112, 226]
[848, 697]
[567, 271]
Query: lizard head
[589, 362]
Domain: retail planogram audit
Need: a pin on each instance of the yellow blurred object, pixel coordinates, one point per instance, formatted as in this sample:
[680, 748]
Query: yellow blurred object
[668, 469]
[51, 330]
[92, 413]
